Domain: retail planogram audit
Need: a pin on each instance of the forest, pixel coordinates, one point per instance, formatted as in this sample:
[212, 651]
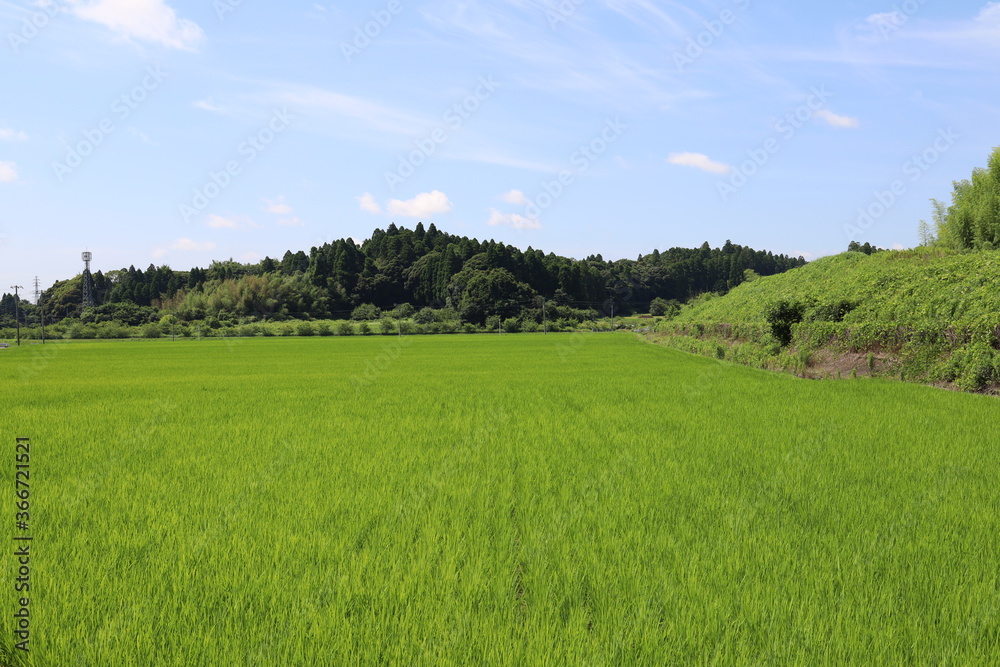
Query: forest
[404, 271]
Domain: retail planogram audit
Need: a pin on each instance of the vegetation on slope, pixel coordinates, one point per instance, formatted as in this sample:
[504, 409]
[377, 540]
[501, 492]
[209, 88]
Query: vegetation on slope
[926, 314]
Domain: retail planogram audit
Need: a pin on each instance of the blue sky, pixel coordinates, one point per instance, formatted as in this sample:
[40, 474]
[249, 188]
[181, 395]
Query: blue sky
[176, 132]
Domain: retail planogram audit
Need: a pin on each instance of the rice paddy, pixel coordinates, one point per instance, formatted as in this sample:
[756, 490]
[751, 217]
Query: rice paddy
[529, 499]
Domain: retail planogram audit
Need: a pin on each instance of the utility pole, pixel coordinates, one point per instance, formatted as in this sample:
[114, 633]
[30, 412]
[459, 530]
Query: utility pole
[41, 310]
[612, 317]
[17, 316]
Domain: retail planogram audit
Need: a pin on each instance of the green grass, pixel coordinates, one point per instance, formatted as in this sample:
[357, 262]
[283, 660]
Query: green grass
[562, 499]
[935, 314]
[921, 288]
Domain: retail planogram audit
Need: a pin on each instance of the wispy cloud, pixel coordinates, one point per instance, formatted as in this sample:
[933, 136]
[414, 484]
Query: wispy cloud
[322, 102]
[836, 120]
[185, 244]
[279, 206]
[230, 222]
[208, 105]
[143, 20]
[7, 134]
[423, 205]
[698, 161]
[8, 172]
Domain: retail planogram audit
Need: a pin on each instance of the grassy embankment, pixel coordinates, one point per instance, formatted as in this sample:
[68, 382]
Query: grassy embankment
[924, 315]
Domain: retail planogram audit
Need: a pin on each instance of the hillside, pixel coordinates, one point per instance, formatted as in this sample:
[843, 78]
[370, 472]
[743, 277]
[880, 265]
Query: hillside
[926, 314]
[454, 277]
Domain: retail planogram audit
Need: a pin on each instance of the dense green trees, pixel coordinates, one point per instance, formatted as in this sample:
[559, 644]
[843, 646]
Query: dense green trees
[973, 219]
[419, 268]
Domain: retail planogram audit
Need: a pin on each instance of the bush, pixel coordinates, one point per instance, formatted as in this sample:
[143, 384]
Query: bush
[305, 329]
[424, 316]
[781, 316]
[151, 331]
[364, 329]
[366, 311]
[660, 307]
[345, 328]
[323, 329]
[511, 325]
[387, 327]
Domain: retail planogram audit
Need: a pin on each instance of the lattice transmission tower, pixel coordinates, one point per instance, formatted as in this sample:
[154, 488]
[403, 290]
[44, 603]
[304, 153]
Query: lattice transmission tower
[88, 281]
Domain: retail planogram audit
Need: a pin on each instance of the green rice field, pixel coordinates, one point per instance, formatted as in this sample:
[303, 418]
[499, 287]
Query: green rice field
[510, 500]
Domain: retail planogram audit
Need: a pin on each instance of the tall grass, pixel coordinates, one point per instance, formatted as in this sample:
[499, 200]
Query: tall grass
[528, 499]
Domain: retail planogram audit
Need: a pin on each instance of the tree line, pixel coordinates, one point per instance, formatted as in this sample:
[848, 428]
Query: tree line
[423, 268]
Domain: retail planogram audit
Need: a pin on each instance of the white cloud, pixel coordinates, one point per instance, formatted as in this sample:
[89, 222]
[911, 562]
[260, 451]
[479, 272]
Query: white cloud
[498, 219]
[990, 13]
[622, 162]
[8, 172]
[279, 207]
[423, 205]
[836, 120]
[7, 134]
[291, 222]
[368, 203]
[698, 161]
[886, 20]
[218, 222]
[898, 246]
[144, 20]
[250, 258]
[208, 105]
[515, 197]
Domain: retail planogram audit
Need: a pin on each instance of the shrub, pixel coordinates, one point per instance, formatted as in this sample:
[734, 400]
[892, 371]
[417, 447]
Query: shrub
[781, 316]
[305, 329]
[323, 329]
[345, 328]
[424, 316]
[366, 311]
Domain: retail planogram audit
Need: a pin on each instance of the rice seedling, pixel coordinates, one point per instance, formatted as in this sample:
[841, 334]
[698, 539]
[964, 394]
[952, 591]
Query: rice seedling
[528, 499]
